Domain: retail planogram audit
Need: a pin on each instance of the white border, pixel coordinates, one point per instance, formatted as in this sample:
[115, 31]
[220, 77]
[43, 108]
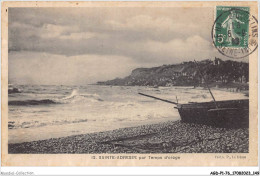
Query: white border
[126, 170]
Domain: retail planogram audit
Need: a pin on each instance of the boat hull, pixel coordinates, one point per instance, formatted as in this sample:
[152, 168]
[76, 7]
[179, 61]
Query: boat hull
[231, 113]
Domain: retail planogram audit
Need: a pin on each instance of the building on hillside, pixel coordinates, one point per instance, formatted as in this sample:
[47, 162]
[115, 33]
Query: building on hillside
[217, 61]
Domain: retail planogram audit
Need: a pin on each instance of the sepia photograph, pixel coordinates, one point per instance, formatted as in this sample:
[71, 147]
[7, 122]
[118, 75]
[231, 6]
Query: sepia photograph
[131, 79]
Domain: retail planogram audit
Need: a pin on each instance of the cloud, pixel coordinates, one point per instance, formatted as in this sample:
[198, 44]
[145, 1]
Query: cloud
[57, 39]
[160, 28]
[174, 51]
[71, 44]
[147, 23]
[194, 46]
[53, 31]
[45, 29]
[44, 68]
[81, 35]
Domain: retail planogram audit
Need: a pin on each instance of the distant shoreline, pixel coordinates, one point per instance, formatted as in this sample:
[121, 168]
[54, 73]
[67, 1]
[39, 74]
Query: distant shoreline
[216, 72]
[224, 87]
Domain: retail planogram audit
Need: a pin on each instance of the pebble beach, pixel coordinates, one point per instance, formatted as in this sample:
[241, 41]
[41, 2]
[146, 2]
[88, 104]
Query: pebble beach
[166, 137]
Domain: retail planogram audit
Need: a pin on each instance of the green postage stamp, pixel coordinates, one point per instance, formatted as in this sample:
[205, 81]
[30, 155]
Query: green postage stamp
[232, 26]
[234, 31]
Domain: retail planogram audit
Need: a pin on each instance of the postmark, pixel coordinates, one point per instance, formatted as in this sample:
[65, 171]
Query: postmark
[235, 31]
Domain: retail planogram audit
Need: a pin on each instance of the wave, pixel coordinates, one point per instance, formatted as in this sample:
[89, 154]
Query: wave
[74, 97]
[13, 90]
[32, 102]
[33, 124]
[73, 94]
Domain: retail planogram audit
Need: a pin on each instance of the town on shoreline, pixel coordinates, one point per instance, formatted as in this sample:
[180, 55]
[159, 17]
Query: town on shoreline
[218, 73]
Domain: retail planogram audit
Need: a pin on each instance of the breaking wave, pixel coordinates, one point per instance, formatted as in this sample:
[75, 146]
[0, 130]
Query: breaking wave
[74, 97]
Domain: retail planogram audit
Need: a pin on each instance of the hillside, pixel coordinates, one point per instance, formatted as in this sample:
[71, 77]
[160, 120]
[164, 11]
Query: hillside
[186, 74]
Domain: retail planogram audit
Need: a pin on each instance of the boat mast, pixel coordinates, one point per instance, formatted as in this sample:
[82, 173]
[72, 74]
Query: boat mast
[206, 84]
[158, 98]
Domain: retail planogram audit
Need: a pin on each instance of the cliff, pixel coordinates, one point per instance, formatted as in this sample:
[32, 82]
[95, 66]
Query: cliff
[186, 74]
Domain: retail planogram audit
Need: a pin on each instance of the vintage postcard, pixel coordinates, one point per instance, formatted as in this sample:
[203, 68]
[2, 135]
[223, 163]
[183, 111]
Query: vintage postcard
[129, 83]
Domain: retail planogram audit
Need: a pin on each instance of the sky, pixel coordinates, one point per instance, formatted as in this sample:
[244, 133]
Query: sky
[77, 46]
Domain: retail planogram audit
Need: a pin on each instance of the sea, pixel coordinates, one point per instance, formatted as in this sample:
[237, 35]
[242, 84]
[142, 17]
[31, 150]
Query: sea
[38, 112]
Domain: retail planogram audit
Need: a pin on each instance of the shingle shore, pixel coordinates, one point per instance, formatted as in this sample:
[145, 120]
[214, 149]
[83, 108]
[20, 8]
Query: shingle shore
[167, 137]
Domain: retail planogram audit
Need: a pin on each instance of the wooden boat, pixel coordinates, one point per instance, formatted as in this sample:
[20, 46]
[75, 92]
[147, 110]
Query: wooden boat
[226, 114]
[230, 113]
